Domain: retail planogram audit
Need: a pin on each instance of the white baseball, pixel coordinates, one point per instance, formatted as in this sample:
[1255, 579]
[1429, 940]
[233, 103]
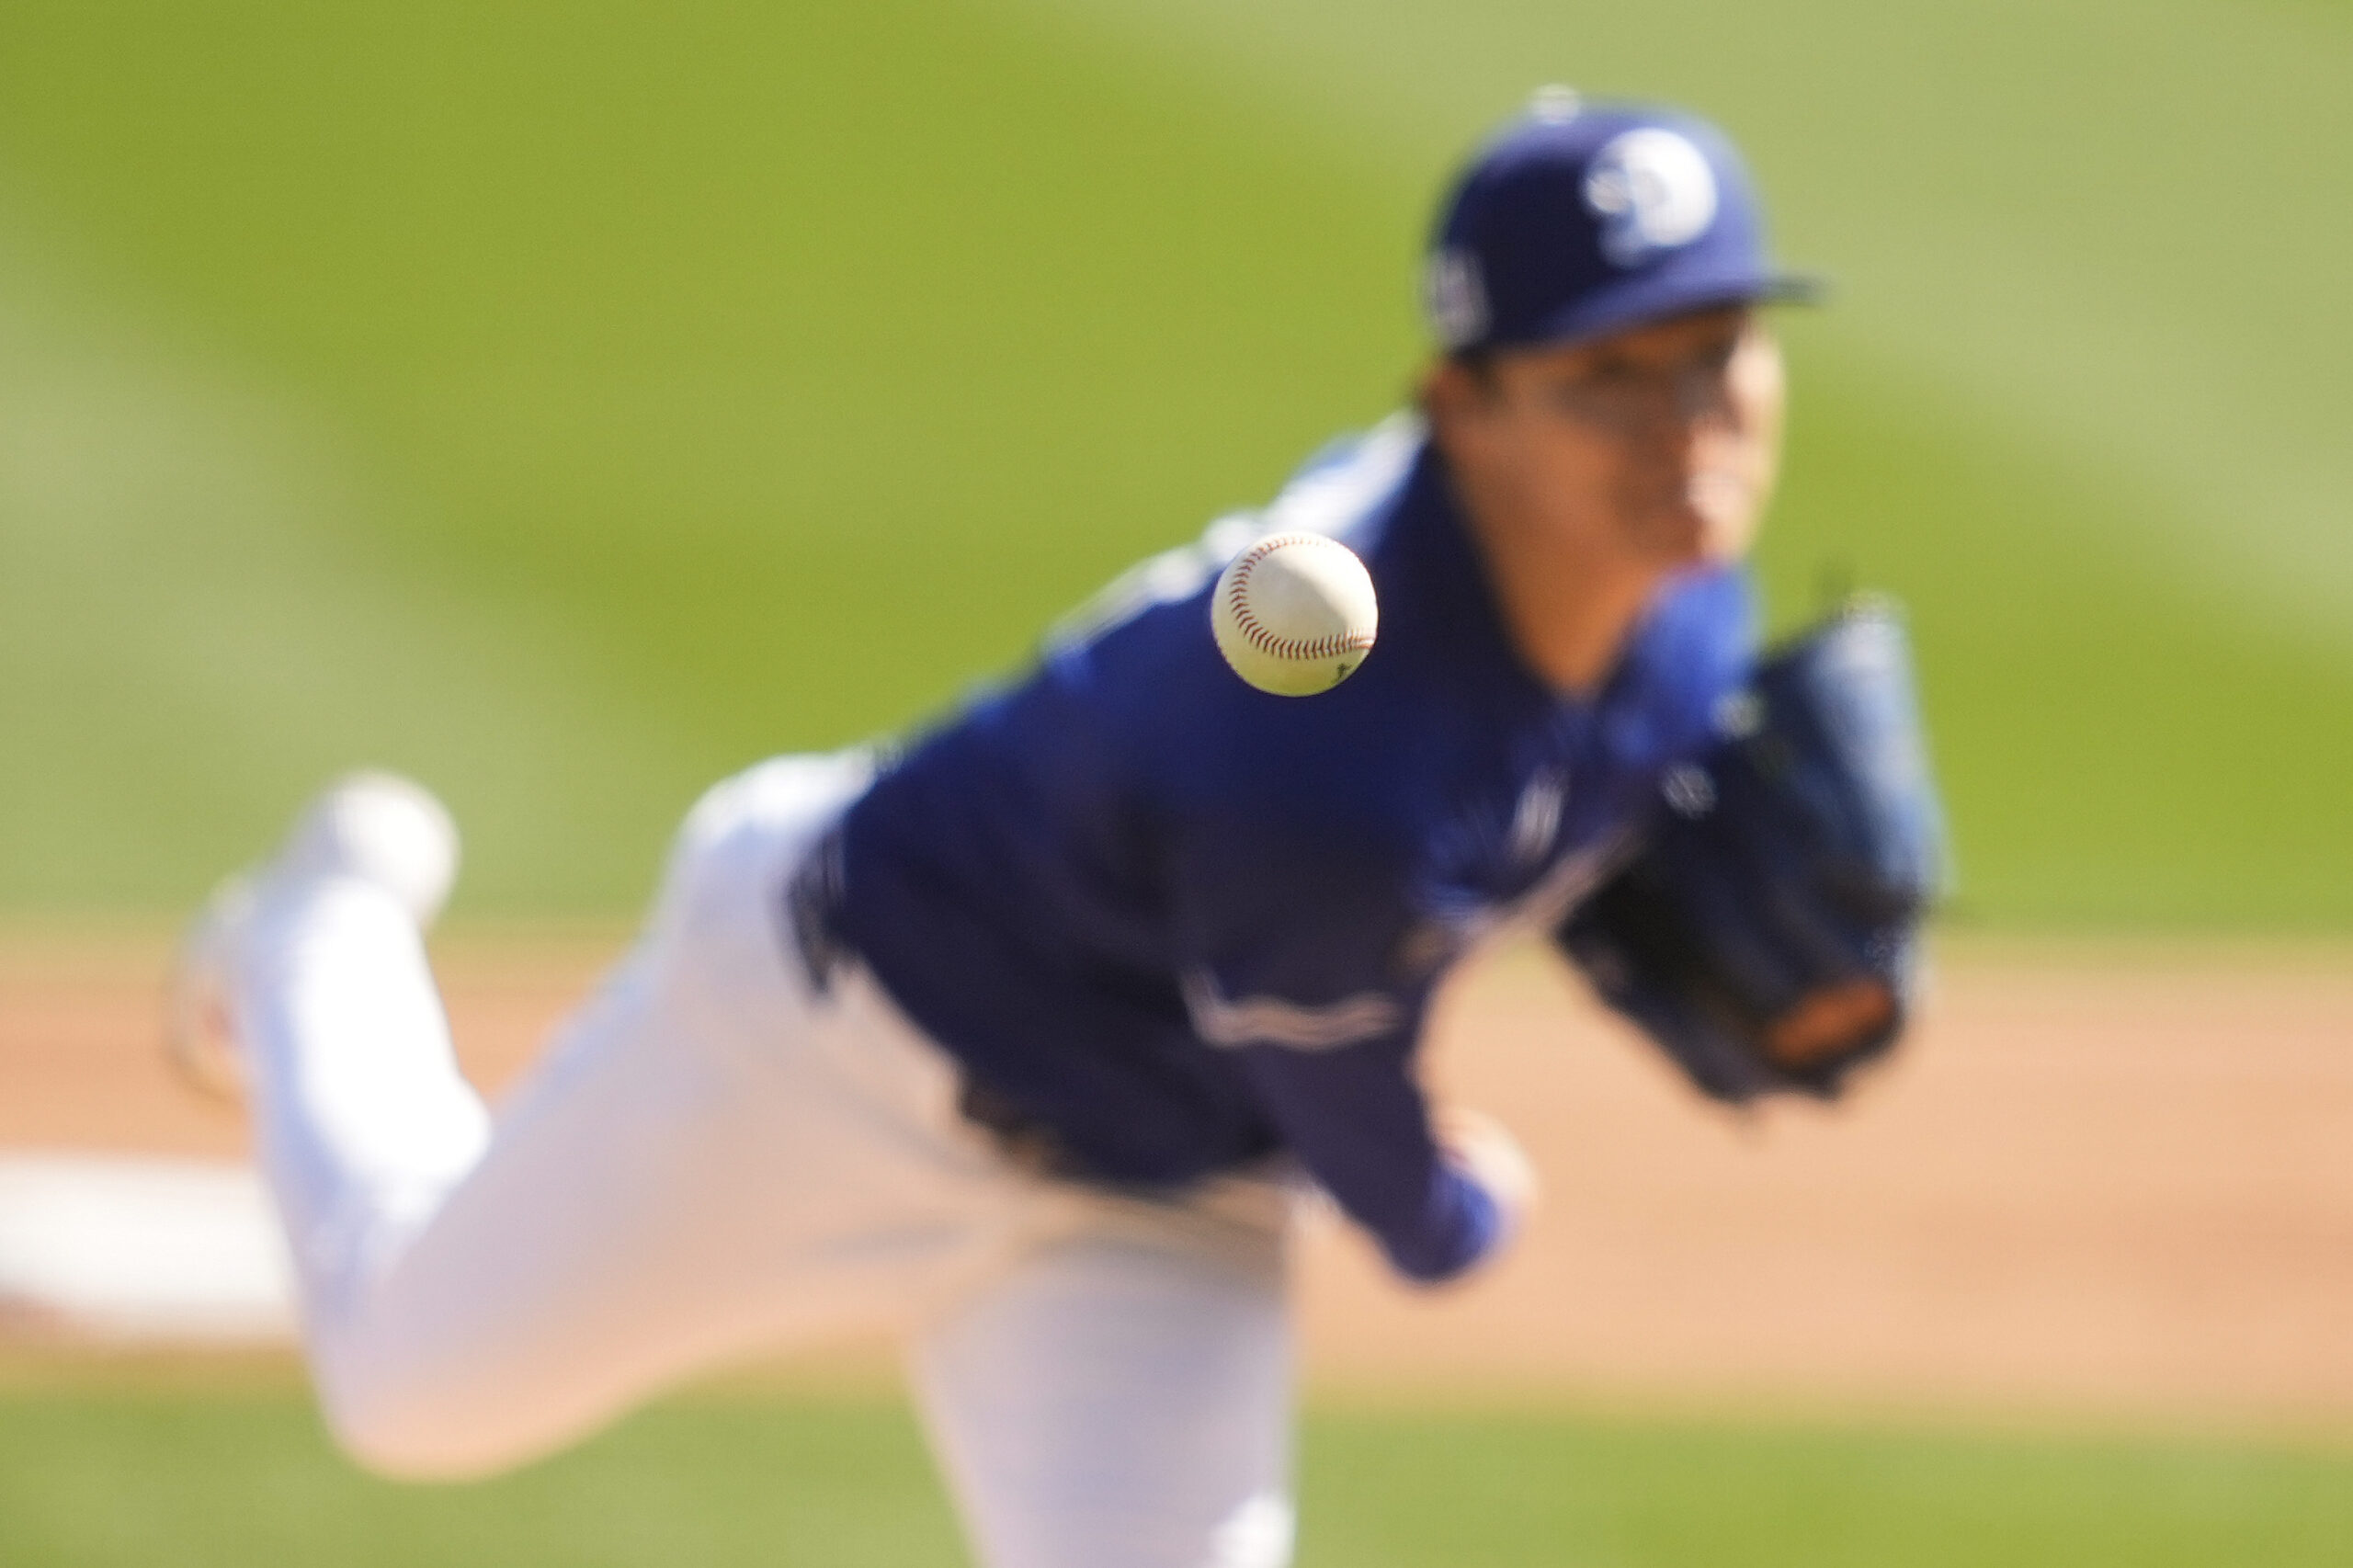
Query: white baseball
[1294, 614]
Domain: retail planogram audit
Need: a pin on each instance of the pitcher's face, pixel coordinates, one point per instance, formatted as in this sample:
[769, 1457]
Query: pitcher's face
[1660, 443]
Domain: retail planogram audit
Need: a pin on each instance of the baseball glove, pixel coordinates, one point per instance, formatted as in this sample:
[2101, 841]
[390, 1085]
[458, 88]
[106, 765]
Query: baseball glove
[1765, 932]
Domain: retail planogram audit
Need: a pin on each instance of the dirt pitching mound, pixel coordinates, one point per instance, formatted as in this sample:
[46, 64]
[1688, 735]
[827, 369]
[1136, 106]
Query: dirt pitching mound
[2108, 1179]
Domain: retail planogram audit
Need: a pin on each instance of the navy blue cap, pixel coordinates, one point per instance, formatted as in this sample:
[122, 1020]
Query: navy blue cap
[1580, 220]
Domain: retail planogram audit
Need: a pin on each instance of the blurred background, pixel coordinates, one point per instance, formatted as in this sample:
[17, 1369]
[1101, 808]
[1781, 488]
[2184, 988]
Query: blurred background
[572, 403]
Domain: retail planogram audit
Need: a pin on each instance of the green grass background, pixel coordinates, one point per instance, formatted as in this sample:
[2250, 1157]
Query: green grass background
[572, 403]
[125, 1482]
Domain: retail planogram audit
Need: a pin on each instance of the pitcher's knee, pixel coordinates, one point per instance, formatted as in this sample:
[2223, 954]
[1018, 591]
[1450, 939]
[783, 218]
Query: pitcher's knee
[402, 1431]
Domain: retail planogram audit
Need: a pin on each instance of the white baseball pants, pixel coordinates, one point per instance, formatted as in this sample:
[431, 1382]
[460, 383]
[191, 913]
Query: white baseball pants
[714, 1161]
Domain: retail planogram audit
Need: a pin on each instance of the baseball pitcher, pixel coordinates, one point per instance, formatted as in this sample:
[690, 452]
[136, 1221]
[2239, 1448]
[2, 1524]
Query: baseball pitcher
[1024, 1039]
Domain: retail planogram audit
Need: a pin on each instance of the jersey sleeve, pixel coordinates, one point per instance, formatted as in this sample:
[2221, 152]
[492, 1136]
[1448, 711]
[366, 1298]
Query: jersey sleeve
[1292, 940]
[1358, 1121]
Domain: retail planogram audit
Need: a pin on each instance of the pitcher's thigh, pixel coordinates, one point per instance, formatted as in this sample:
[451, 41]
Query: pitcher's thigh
[1119, 1399]
[634, 1219]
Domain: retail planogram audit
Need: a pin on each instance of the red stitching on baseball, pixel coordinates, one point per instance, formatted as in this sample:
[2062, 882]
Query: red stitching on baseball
[1259, 638]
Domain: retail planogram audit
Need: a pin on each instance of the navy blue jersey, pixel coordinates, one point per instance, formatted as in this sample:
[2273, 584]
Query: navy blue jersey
[1182, 924]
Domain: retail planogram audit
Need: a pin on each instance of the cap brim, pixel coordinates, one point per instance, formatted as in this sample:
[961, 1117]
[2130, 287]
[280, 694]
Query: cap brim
[1646, 301]
[1795, 288]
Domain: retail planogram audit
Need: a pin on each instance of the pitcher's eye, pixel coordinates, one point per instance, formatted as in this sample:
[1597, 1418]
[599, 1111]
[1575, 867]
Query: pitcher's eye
[1714, 358]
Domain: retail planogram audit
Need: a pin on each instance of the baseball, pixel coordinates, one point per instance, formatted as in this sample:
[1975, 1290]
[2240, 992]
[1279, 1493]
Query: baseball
[1294, 614]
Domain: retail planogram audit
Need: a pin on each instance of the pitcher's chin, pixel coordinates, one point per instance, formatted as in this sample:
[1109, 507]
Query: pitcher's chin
[1724, 514]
